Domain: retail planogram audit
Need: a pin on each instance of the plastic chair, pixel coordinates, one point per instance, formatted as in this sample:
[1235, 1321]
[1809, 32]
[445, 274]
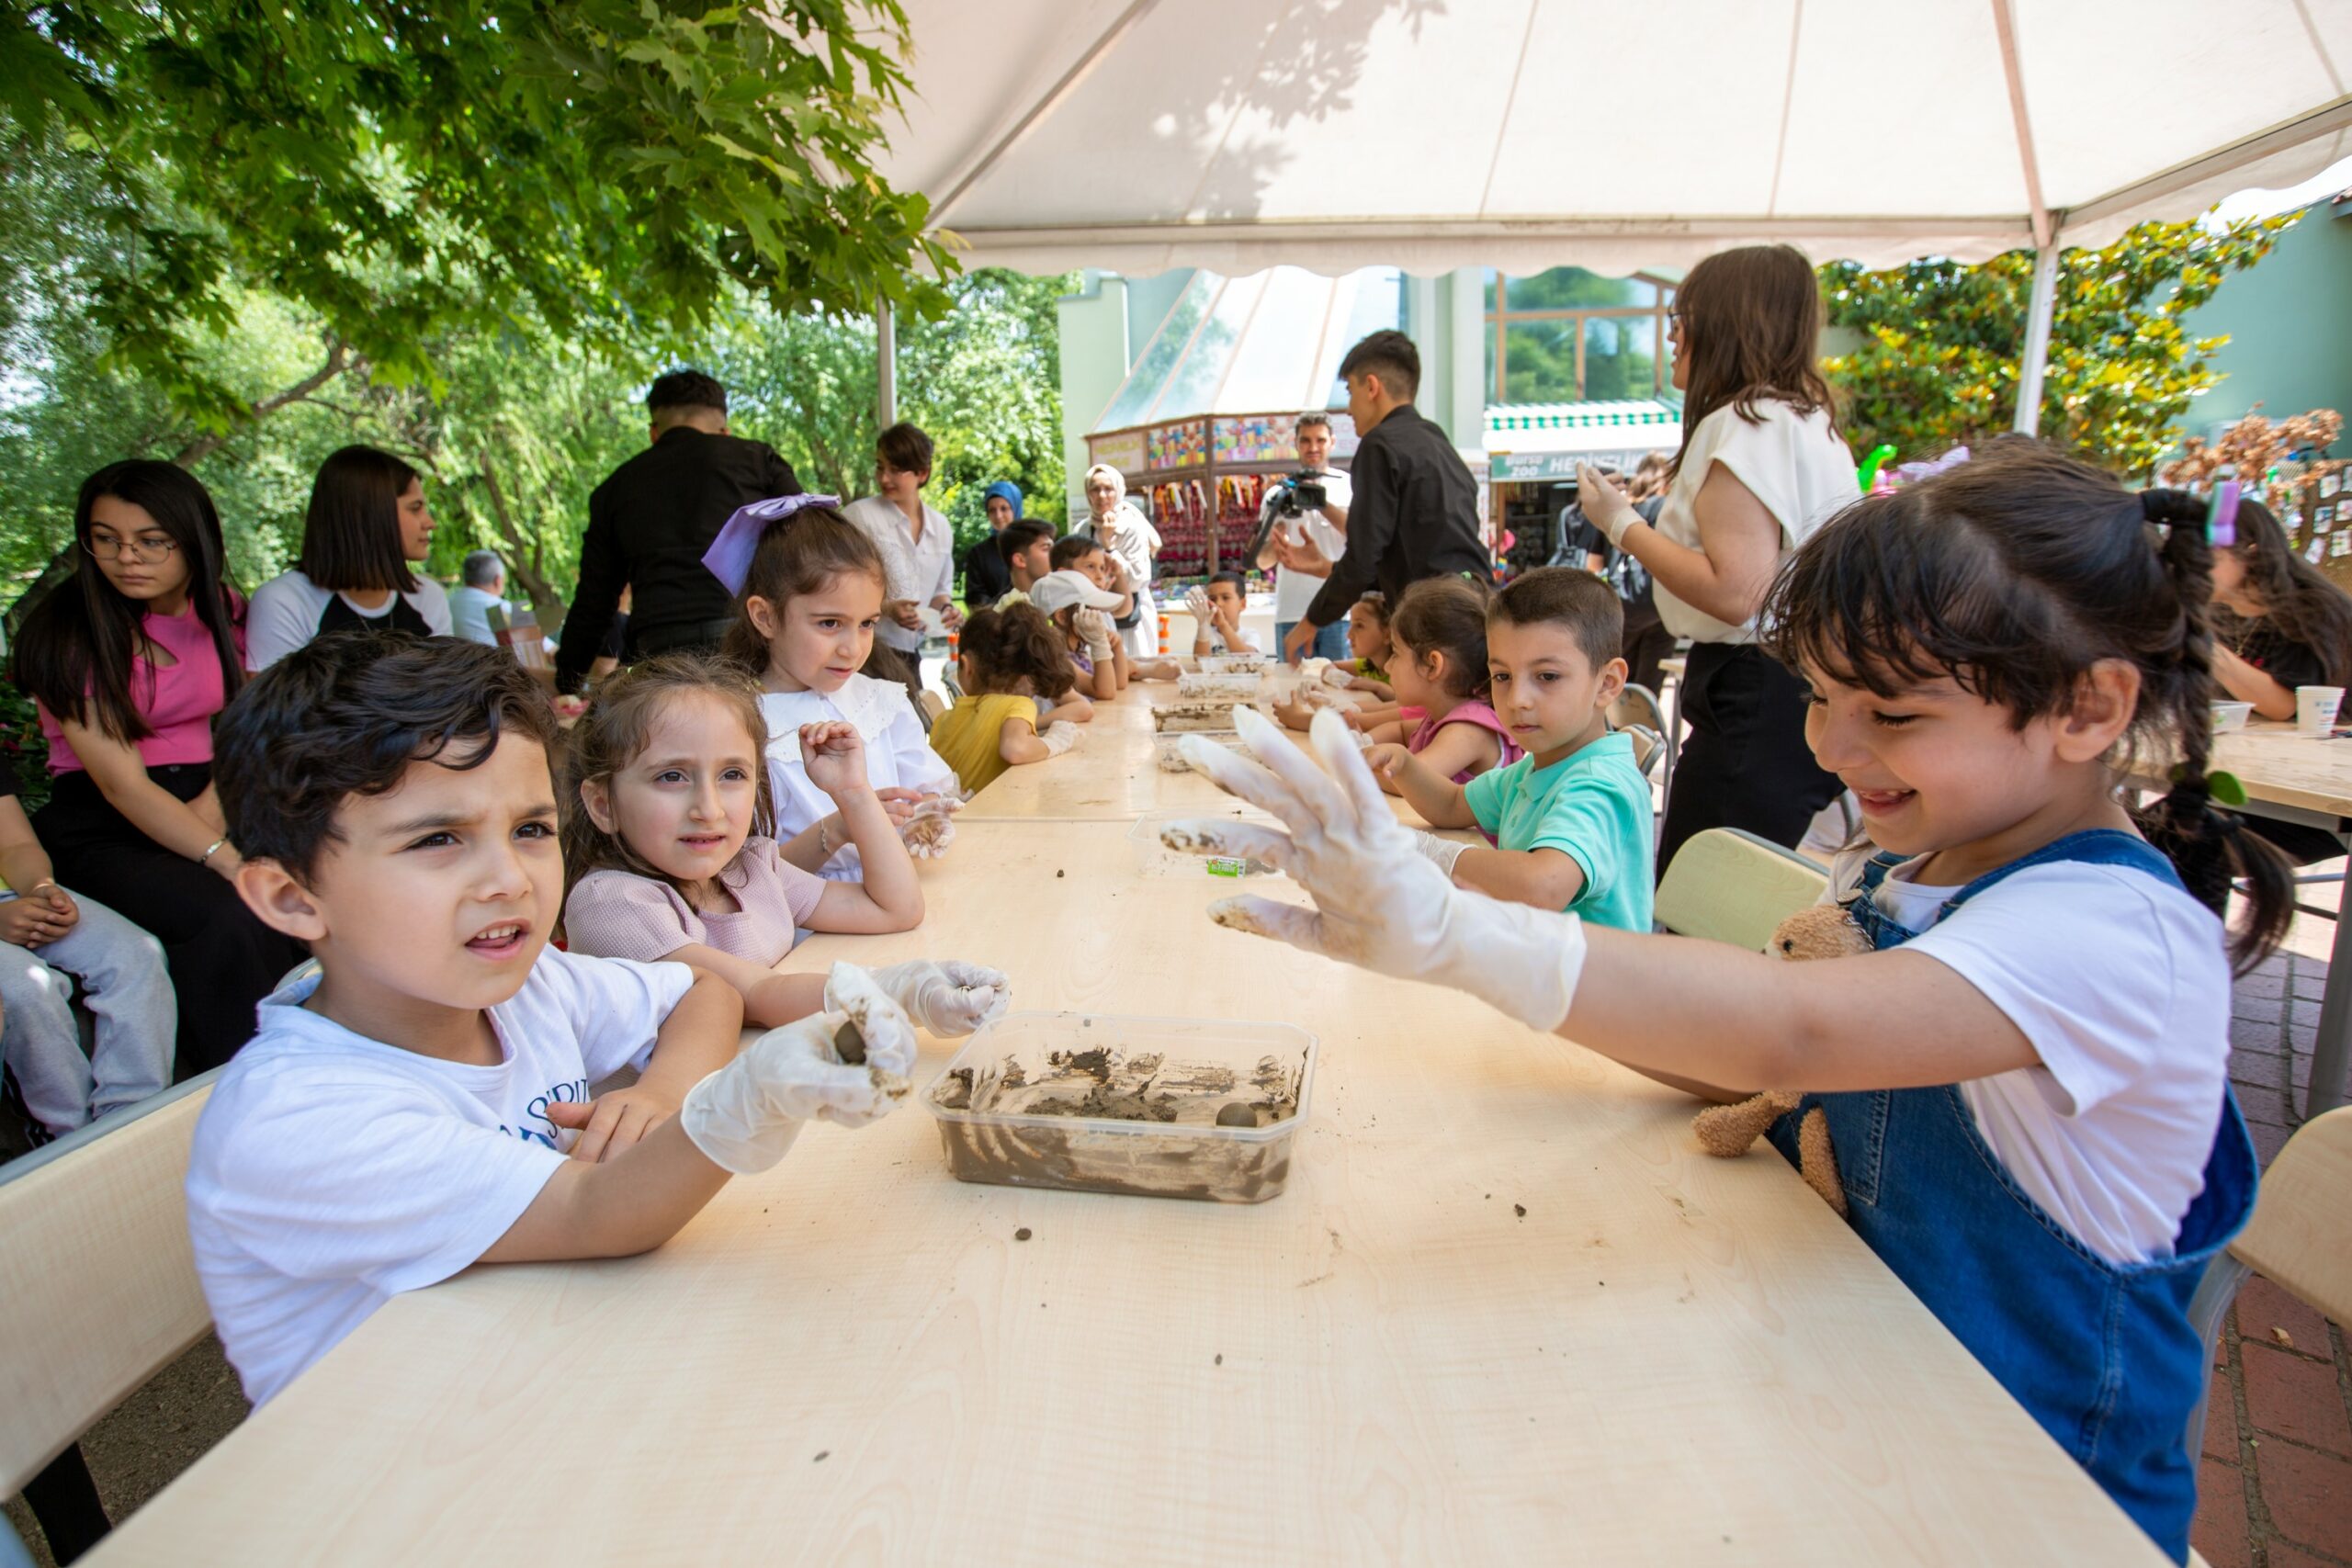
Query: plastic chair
[2300, 1239]
[934, 703]
[1730, 886]
[1649, 746]
[97, 1282]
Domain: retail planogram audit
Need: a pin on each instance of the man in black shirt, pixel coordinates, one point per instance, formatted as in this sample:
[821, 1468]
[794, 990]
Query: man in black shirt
[653, 518]
[1415, 510]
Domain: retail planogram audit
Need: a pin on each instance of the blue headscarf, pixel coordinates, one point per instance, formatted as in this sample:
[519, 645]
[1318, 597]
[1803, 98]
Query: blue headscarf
[1007, 489]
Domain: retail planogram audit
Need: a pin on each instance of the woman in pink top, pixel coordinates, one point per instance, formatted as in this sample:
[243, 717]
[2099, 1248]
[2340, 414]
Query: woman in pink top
[1437, 662]
[129, 663]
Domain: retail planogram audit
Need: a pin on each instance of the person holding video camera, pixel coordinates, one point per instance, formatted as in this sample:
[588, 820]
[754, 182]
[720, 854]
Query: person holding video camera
[1302, 529]
[1414, 510]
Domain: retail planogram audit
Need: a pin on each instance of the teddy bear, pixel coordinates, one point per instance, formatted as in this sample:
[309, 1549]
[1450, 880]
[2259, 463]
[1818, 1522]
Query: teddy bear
[1818, 930]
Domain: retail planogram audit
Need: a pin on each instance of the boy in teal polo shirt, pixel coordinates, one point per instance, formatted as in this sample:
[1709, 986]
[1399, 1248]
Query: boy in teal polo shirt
[1571, 819]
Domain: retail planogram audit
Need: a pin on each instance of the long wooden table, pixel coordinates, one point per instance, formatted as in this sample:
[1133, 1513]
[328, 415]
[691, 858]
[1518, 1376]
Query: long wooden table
[1506, 1312]
[2307, 779]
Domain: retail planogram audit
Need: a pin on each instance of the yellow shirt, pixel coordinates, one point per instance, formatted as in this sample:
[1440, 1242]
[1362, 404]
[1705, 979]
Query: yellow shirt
[967, 734]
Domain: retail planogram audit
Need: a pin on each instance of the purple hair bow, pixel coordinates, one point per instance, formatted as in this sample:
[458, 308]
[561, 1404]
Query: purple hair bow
[729, 556]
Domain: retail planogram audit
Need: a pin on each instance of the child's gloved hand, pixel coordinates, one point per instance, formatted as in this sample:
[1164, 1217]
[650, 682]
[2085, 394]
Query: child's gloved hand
[1094, 629]
[947, 997]
[1377, 903]
[1338, 675]
[1439, 852]
[1060, 736]
[745, 1115]
[1196, 599]
[1604, 502]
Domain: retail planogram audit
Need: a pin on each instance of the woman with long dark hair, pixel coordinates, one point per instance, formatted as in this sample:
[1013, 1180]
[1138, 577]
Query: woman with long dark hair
[129, 663]
[367, 524]
[1761, 467]
[2277, 623]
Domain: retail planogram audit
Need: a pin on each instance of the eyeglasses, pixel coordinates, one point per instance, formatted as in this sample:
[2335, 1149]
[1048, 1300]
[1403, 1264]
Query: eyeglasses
[146, 552]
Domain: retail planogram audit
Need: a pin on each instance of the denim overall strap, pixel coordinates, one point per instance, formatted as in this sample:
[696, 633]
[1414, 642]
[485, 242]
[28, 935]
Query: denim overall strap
[2101, 1354]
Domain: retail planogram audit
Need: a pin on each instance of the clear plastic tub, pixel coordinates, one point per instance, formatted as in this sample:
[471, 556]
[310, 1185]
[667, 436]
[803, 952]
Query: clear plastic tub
[1140, 1104]
[1155, 859]
[2228, 716]
[1233, 663]
[1214, 716]
[1169, 749]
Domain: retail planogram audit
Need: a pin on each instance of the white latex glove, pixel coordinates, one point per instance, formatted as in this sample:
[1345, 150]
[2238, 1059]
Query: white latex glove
[1314, 668]
[1060, 736]
[1439, 852]
[745, 1115]
[949, 998]
[1604, 504]
[1196, 599]
[1338, 675]
[1377, 903]
[1094, 630]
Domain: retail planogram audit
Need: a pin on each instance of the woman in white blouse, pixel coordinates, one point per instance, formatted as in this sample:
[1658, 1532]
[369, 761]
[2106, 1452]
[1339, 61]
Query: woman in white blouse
[1761, 467]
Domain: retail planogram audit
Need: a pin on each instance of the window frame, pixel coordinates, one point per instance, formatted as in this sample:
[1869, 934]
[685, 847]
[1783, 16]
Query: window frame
[1501, 318]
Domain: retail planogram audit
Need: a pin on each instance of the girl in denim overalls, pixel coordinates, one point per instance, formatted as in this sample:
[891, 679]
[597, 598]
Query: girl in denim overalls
[2025, 1081]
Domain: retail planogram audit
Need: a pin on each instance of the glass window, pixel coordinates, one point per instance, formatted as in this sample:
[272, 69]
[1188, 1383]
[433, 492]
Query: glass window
[1620, 357]
[1537, 323]
[1133, 405]
[1540, 362]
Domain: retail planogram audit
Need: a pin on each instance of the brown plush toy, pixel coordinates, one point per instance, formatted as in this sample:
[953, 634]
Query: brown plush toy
[1818, 930]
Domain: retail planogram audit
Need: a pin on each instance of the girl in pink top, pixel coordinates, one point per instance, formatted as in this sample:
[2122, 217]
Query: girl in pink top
[1437, 663]
[129, 663]
[669, 846]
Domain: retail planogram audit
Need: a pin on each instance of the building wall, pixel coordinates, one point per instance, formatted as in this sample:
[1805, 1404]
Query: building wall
[2289, 325]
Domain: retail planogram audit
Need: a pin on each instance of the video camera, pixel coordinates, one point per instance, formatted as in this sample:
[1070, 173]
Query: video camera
[1294, 495]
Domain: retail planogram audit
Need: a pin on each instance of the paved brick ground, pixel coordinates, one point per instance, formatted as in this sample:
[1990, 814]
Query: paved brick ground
[2276, 1470]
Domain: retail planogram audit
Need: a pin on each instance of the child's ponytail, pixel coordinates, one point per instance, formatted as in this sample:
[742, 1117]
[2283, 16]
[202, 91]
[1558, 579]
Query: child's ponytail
[2210, 847]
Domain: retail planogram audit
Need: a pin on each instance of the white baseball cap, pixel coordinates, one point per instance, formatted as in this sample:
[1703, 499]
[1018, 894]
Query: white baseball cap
[1058, 590]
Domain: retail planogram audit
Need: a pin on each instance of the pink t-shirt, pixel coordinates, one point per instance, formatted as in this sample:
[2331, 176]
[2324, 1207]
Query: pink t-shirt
[177, 701]
[1474, 713]
[618, 914]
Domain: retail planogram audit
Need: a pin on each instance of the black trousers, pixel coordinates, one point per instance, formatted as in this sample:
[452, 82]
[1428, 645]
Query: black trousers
[223, 960]
[1645, 642]
[1745, 763]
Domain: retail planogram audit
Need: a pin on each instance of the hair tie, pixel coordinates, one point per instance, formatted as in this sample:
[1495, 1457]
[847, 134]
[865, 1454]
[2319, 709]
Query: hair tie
[729, 556]
[2217, 510]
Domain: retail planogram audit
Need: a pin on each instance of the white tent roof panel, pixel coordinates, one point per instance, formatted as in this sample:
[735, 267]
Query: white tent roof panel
[1239, 134]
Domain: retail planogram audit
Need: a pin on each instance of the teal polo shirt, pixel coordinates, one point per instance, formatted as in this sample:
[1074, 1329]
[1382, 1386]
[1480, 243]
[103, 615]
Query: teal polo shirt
[1592, 805]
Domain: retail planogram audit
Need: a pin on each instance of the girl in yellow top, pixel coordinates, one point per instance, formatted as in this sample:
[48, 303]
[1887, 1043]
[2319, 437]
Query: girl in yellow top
[1017, 704]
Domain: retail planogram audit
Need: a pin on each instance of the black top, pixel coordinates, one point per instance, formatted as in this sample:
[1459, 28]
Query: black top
[2291, 664]
[1628, 576]
[649, 523]
[1414, 514]
[988, 577]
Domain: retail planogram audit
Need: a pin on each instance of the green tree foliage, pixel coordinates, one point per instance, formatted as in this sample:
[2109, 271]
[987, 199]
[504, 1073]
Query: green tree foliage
[398, 174]
[983, 381]
[1941, 343]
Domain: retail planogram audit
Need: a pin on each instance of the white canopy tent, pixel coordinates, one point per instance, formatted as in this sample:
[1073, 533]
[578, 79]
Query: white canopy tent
[1139, 135]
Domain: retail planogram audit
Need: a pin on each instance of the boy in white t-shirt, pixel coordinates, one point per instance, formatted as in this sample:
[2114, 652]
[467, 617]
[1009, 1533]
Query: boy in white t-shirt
[422, 1102]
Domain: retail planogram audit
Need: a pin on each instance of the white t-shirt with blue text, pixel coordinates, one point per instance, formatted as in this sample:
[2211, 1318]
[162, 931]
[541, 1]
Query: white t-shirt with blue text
[330, 1172]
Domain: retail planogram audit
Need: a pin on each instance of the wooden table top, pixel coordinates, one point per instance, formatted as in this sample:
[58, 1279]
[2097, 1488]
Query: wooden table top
[2278, 765]
[1506, 1312]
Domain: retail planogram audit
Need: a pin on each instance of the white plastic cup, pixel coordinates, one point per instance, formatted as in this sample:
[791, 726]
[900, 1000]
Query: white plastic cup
[2316, 708]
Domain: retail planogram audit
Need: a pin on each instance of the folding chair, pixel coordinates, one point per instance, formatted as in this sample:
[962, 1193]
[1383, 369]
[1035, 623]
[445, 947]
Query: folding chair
[2300, 1239]
[1638, 707]
[1730, 886]
[97, 1282]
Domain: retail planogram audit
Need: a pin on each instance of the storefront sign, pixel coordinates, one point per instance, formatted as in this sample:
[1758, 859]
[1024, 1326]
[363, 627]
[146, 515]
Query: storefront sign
[1536, 468]
[1122, 449]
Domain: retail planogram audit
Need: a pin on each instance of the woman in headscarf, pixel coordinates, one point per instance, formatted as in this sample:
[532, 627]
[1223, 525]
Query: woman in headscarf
[1117, 524]
[987, 576]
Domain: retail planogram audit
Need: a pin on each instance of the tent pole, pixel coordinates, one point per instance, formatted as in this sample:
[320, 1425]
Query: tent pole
[886, 366]
[2040, 305]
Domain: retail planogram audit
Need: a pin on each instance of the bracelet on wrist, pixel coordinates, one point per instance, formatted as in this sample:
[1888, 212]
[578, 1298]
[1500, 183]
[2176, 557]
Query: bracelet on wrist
[211, 850]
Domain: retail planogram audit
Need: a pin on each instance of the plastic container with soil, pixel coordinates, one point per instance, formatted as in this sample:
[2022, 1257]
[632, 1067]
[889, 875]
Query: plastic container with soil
[1142, 1107]
[1155, 859]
